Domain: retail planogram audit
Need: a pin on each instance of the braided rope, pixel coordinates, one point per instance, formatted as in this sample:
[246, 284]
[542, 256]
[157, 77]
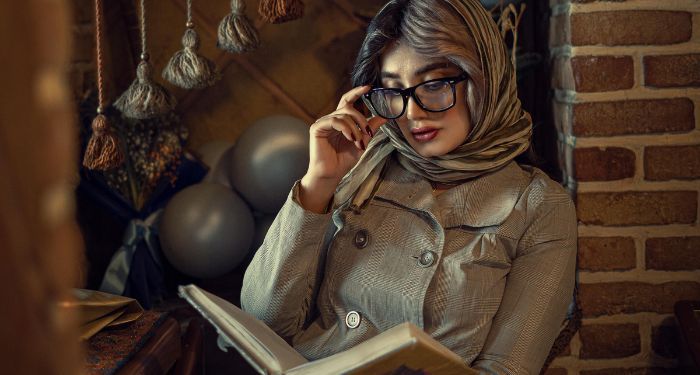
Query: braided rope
[144, 52]
[99, 61]
[189, 23]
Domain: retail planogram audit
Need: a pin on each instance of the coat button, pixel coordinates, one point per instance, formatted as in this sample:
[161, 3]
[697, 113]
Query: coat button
[352, 319]
[361, 239]
[427, 258]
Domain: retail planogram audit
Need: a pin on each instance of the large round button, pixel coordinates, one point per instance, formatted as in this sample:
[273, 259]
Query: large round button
[352, 320]
[427, 258]
[361, 239]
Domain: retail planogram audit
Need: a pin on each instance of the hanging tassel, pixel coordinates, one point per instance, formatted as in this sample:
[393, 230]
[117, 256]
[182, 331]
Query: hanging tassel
[103, 150]
[278, 11]
[236, 33]
[188, 69]
[509, 21]
[145, 98]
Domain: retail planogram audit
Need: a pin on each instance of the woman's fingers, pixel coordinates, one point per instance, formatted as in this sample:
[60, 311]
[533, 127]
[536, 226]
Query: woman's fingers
[374, 123]
[344, 124]
[351, 96]
[357, 117]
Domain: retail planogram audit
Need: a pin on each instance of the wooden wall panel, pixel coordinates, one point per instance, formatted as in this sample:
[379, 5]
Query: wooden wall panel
[308, 60]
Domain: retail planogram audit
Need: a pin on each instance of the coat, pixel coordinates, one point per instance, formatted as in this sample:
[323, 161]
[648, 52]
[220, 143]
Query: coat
[487, 268]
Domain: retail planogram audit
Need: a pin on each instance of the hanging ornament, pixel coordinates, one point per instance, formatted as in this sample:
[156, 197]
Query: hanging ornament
[145, 98]
[188, 69]
[103, 150]
[278, 11]
[236, 33]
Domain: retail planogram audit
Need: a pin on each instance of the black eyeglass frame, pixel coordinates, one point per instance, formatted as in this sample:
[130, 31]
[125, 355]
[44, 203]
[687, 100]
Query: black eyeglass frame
[411, 92]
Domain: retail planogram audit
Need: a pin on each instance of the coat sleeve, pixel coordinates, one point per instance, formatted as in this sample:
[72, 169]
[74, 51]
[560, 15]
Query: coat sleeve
[538, 290]
[281, 282]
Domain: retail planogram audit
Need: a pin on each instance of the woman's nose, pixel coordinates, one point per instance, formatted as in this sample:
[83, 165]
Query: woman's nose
[413, 110]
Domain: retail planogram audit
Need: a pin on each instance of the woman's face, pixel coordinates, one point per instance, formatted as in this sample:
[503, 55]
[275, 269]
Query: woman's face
[429, 133]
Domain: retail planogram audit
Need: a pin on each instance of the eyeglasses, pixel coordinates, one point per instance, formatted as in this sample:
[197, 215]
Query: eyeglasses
[436, 95]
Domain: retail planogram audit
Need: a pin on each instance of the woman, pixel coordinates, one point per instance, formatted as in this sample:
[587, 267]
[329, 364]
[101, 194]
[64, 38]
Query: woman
[420, 213]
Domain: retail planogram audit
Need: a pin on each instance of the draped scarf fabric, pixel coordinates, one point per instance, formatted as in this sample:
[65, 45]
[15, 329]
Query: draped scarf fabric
[502, 133]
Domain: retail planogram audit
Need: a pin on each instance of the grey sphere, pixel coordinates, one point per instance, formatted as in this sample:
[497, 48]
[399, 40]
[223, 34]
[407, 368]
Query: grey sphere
[206, 230]
[268, 157]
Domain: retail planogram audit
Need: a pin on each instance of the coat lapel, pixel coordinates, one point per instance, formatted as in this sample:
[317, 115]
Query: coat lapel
[482, 202]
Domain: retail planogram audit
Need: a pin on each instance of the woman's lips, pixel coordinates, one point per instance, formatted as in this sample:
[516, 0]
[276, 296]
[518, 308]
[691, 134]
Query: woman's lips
[424, 134]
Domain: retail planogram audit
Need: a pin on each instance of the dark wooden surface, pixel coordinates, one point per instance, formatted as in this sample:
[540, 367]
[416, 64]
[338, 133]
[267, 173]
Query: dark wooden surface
[159, 354]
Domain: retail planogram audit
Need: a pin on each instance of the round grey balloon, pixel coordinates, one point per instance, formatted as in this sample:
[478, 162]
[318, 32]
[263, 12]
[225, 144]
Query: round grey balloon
[268, 157]
[215, 155]
[206, 230]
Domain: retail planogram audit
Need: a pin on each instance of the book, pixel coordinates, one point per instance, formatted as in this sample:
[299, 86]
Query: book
[403, 349]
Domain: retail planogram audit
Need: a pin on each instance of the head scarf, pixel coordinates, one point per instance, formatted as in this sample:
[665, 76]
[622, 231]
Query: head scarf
[502, 133]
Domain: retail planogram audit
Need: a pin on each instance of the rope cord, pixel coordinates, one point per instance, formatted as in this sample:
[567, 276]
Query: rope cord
[98, 47]
[189, 23]
[144, 53]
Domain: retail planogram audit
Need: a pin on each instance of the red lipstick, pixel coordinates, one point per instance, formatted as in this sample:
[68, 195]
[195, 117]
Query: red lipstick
[424, 134]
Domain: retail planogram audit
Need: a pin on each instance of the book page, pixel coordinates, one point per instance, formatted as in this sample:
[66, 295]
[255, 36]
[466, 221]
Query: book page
[256, 342]
[404, 346]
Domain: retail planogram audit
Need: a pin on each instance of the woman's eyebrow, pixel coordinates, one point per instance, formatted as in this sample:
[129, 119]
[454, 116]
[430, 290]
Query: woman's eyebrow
[420, 71]
[431, 67]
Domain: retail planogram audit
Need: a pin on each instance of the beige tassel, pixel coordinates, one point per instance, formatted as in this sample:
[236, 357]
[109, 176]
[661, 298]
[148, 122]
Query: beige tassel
[145, 98]
[103, 151]
[189, 70]
[236, 33]
[279, 11]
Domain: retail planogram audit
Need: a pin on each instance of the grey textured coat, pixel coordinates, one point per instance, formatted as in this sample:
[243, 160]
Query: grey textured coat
[487, 268]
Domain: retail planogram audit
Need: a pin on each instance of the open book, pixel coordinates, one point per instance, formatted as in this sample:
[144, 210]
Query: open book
[404, 349]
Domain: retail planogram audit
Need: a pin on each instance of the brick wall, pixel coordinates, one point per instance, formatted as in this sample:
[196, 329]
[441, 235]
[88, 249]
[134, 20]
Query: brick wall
[627, 110]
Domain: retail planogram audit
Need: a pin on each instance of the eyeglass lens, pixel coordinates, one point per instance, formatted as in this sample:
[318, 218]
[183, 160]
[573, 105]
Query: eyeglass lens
[432, 96]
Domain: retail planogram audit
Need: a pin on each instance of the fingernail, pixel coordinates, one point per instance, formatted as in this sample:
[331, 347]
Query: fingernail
[369, 131]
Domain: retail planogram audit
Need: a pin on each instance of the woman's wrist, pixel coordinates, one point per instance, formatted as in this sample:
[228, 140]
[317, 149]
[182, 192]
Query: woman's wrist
[315, 194]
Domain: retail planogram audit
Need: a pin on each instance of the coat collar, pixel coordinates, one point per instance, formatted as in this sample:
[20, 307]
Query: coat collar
[484, 201]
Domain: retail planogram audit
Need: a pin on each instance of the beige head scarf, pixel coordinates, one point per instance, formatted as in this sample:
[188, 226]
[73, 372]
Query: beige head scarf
[502, 133]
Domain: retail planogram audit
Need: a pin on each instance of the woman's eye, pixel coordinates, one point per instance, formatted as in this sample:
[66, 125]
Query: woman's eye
[434, 86]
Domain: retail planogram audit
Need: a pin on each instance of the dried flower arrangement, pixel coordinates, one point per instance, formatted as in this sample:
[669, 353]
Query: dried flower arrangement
[153, 149]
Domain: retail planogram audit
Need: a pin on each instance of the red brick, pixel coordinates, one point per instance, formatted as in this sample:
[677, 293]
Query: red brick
[602, 73]
[603, 164]
[632, 371]
[672, 162]
[603, 341]
[672, 70]
[606, 253]
[634, 27]
[633, 297]
[673, 253]
[637, 208]
[633, 117]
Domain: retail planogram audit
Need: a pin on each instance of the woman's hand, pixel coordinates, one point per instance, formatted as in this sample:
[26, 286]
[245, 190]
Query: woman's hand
[337, 142]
